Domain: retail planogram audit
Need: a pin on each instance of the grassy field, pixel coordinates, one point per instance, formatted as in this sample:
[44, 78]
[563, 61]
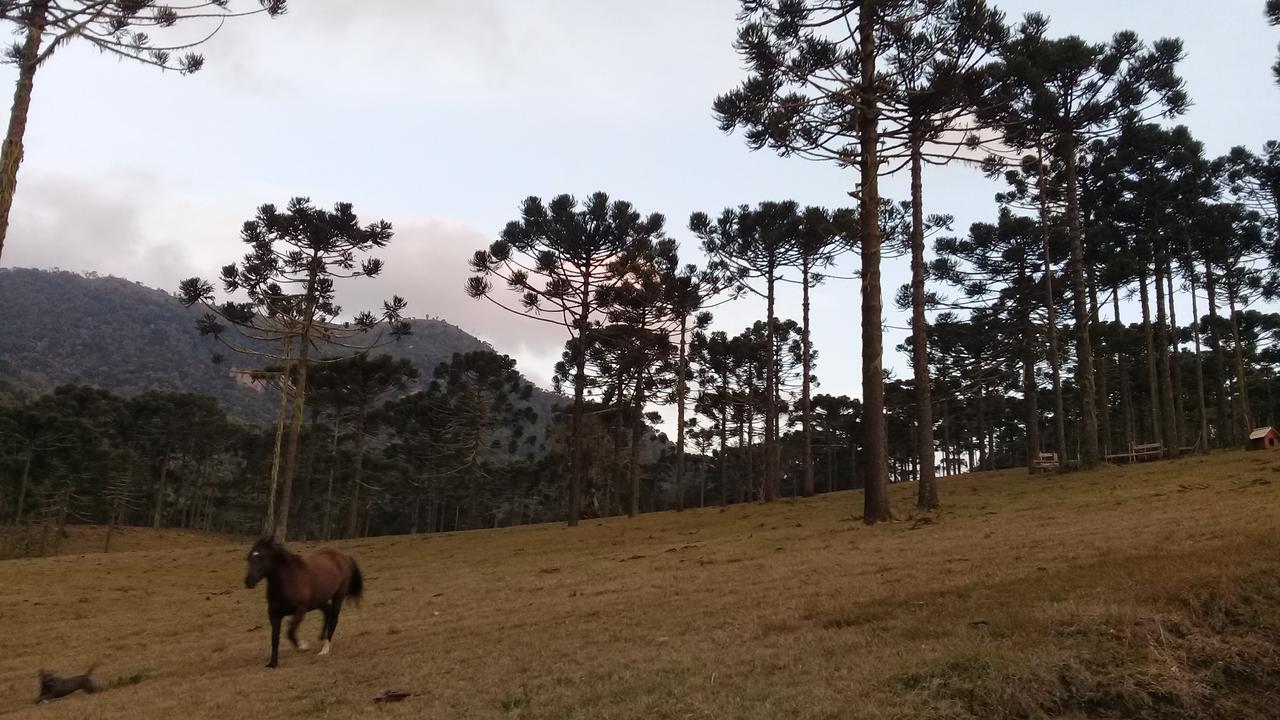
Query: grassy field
[1146, 592]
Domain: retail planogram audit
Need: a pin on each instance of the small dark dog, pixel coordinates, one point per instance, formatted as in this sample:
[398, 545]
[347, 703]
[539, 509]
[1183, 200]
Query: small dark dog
[53, 687]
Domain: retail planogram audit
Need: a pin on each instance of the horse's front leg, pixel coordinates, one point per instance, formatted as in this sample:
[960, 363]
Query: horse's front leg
[294, 622]
[276, 618]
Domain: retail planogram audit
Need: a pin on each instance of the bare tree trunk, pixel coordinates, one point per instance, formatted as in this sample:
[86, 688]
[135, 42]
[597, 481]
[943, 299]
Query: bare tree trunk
[806, 391]
[681, 391]
[577, 446]
[1246, 415]
[1179, 405]
[724, 456]
[1170, 425]
[770, 484]
[876, 441]
[1223, 426]
[1084, 342]
[274, 489]
[1126, 391]
[927, 484]
[1153, 380]
[1055, 358]
[11, 151]
[1030, 391]
[357, 474]
[291, 444]
[1100, 360]
[1202, 445]
[633, 466]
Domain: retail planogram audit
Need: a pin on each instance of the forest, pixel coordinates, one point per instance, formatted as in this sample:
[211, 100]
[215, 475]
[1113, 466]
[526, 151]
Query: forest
[1051, 327]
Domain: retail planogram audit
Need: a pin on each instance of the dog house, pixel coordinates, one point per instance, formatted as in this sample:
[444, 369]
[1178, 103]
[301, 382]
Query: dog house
[1264, 438]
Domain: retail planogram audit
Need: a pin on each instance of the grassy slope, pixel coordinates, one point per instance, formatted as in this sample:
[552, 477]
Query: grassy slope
[1143, 592]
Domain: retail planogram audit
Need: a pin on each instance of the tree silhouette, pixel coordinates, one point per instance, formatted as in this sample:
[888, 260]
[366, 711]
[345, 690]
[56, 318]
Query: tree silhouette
[1059, 94]
[556, 258]
[754, 247]
[1273, 17]
[355, 384]
[291, 310]
[114, 27]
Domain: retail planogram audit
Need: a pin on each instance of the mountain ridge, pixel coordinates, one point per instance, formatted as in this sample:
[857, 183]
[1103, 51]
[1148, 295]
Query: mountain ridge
[64, 327]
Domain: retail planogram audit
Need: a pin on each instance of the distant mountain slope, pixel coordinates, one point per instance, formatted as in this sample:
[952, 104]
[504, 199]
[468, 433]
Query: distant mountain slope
[60, 327]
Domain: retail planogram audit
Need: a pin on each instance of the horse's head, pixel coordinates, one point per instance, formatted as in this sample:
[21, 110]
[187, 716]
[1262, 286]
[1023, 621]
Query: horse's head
[262, 557]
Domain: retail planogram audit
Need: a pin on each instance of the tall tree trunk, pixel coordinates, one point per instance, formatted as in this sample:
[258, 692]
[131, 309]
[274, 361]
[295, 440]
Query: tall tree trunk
[681, 391]
[1101, 365]
[927, 485]
[304, 500]
[1246, 415]
[875, 440]
[770, 485]
[273, 490]
[633, 466]
[577, 447]
[751, 456]
[1170, 426]
[357, 474]
[724, 450]
[1179, 406]
[1153, 380]
[1223, 426]
[1051, 306]
[1202, 444]
[946, 438]
[1030, 392]
[295, 433]
[806, 390]
[1126, 391]
[328, 492]
[1084, 342]
[11, 151]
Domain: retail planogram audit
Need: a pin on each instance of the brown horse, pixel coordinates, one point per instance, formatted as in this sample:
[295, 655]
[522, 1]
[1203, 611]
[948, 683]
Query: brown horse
[297, 585]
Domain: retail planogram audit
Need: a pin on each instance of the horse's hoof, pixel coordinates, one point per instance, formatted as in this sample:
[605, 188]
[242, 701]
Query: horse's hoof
[303, 646]
[324, 650]
[270, 664]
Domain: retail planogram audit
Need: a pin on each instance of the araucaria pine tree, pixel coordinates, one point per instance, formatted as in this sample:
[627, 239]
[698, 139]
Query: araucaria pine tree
[122, 28]
[555, 259]
[290, 315]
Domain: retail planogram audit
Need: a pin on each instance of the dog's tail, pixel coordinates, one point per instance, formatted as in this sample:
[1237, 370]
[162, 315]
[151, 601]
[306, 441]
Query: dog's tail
[355, 590]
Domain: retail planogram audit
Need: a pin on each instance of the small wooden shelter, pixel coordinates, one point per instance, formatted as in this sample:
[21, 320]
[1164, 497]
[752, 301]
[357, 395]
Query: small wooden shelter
[1264, 438]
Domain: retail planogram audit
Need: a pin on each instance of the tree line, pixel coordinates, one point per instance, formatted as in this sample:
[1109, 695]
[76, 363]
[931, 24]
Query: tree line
[1018, 343]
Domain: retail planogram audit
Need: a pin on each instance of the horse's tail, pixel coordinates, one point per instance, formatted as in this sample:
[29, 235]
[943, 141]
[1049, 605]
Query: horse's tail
[355, 590]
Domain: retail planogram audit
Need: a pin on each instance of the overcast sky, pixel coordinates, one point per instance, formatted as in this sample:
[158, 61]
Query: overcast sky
[440, 116]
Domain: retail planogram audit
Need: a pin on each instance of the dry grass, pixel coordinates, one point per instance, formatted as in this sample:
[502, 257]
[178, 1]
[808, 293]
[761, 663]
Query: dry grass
[1138, 592]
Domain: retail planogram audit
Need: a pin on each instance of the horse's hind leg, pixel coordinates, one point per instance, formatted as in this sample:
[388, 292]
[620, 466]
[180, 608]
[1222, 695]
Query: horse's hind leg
[324, 626]
[293, 630]
[330, 622]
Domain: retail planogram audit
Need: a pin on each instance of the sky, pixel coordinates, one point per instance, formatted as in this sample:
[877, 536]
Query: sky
[441, 116]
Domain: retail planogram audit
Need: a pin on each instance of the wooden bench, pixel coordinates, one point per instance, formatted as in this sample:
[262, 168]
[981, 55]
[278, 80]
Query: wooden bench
[1139, 453]
[1046, 461]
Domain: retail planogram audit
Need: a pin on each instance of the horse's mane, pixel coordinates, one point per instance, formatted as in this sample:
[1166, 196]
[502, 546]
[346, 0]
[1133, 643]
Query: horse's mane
[279, 550]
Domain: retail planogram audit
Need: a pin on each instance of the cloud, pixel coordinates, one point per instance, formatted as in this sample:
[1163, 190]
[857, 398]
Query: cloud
[130, 225]
[122, 223]
[426, 263]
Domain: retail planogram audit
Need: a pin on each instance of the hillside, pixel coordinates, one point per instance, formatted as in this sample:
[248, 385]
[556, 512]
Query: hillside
[1147, 592]
[61, 327]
